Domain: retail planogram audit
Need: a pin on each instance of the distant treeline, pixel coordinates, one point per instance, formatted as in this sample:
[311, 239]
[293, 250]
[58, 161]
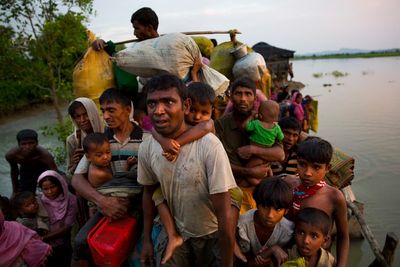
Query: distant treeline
[391, 53]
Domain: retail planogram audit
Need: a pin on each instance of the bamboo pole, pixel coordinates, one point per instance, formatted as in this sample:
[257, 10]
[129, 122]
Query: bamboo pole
[368, 234]
[188, 33]
[388, 250]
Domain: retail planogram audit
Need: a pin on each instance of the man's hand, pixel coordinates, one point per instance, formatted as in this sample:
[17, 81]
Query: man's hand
[245, 152]
[260, 171]
[98, 44]
[78, 154]
[114, 207]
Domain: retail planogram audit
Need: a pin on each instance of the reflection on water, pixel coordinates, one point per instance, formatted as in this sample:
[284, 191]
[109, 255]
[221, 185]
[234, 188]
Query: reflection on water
[358, 113]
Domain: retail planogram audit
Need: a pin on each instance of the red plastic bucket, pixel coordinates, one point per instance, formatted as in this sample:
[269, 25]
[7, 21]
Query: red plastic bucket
[111, 241]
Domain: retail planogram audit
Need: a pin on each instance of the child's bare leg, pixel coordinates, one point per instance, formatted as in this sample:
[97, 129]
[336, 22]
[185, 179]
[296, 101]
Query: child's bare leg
[174, 239]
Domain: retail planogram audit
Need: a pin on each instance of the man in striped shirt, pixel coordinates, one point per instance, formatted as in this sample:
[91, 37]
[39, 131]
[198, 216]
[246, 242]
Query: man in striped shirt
[124, 137]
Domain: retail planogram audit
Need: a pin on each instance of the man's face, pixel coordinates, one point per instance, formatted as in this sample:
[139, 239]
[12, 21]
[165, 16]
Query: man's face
[243, 99]
[290, 139]
[115, 114]
[311, 173]
[100, 155]
[166, 111]
[309, 239]
[81, 119]
[198, 112]
[27, 146]
[142, 32]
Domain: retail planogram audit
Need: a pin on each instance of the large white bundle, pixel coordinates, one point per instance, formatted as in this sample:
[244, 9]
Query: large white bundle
[173, 53]
[252, 65]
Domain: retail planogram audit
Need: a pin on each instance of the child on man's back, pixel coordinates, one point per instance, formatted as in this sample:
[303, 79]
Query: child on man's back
[31, 212]
[262, 232]
[311, 233]
[264, 132]
[202, 98]
[314, 155]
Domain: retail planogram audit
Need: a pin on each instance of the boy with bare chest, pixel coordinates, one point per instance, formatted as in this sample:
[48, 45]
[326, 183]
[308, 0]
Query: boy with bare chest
[314, 156]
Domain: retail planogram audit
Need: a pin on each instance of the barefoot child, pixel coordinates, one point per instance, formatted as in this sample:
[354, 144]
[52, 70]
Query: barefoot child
[62, 208]
[263, 232]
[314, 156]
[311, 233]
[31, 212]
[97, 150]
[264, 132]
[202, 98]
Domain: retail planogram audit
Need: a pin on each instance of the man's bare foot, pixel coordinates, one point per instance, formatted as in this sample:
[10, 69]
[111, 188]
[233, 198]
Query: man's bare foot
[173, 243]
[238, 253]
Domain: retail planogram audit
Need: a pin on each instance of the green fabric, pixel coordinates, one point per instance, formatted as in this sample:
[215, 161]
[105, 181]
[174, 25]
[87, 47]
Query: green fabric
[124, 80]
[263, 136]
[299, 262]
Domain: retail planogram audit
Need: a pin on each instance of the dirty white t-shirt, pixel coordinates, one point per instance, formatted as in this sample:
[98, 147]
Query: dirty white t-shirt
[202, 168]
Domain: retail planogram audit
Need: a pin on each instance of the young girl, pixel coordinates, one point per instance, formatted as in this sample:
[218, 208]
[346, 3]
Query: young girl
[61, 207]
[20, 246]
[262, 232]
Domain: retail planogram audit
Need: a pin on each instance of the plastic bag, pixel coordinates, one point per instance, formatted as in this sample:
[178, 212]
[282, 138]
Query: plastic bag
[93, 74]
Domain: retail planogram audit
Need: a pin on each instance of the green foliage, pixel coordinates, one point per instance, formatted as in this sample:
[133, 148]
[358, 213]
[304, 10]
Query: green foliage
[42, 40]
[390, 53]
[317, 75]
[338, 74]
[61, 132]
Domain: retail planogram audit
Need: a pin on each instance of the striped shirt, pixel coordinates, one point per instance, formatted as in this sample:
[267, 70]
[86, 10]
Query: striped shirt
[287, 167]
[120, 151]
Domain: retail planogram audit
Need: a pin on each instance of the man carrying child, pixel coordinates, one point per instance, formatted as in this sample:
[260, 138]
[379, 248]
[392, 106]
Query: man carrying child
[194, 186]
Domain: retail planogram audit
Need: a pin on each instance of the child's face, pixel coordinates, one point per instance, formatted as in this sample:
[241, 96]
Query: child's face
[51, 190]
[311, 172]
[309, 239]
[100, 155]
[30, 206]
[270, 216]
[198, 112]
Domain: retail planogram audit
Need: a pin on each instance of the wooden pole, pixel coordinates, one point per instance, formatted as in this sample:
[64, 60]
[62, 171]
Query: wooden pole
[388, 250]
[187, 33]
[368, 234]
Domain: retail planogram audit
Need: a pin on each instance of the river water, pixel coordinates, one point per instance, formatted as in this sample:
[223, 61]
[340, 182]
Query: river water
[358, 113]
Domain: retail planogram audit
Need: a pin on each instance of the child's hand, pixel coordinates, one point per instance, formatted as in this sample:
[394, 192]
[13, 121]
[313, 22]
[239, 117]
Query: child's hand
[131, 161]
[170, 146]
[261, 261]
[169, 156]
[276, 252]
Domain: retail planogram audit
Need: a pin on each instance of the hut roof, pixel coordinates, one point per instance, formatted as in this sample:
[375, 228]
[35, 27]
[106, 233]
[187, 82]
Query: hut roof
[271, 53]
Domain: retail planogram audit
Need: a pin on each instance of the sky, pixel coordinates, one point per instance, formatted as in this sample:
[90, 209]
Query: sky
[305, 26]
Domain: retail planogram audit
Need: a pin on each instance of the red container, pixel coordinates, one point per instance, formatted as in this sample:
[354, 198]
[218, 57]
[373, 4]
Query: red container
[111, 241]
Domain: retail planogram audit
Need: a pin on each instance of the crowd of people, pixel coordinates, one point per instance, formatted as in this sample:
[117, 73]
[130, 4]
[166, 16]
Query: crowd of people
[244, 189]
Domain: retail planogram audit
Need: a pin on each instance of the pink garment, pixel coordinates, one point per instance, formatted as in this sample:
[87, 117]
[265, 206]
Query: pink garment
[260, 97]
[146, 123]
[62, 210]
[18, 241]
[297, 108]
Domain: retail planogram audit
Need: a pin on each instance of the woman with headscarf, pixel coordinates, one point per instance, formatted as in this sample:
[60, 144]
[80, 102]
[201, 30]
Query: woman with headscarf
[86, 119]
[296, 109]
[20, 246]
[61, 207]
